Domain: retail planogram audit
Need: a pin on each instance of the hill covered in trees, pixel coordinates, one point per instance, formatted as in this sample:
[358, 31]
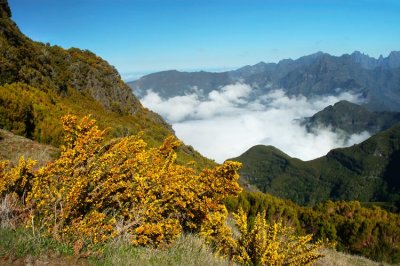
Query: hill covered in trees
[351, 118]
[367, 172]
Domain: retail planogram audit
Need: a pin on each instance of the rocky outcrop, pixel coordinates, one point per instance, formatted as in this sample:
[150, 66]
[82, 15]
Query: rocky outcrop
[5, 11]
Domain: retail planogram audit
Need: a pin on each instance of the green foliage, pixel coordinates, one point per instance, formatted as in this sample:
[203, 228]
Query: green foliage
[367, 172]
[43, 111]
[16, 112]
[374, 233]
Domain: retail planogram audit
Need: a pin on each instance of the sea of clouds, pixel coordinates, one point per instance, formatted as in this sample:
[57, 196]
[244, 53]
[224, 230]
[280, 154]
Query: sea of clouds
[226, 122]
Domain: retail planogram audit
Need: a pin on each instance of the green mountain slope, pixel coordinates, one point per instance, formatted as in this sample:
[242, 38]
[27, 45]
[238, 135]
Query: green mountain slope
[40, 83]
[368, 172]
[352, 118]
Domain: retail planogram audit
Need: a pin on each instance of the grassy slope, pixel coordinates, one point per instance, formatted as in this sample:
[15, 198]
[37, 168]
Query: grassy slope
[20, 247]
[12, 147]
[334, 258]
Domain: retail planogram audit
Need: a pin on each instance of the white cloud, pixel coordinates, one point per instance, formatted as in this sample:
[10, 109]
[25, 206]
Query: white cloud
[228, 100]
[229, 121]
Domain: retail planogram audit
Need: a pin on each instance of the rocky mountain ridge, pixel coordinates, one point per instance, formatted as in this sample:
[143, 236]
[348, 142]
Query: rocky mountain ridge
[376, 80]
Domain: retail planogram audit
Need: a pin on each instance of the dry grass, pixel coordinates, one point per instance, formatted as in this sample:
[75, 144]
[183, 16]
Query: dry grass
[10, 212]
[12, 147]
[188, 250]
[22, 247]
[334, 258]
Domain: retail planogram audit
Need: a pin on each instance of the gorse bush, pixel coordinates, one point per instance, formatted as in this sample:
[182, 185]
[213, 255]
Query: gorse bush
[272, 244]
[97, 190]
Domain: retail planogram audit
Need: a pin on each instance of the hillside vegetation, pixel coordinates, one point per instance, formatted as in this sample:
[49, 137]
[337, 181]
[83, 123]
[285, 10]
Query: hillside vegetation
[367, 172]
[370, 232]
[40, 83]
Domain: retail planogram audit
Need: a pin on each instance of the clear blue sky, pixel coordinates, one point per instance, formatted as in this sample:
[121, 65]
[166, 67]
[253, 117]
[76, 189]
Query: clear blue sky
[142, 36]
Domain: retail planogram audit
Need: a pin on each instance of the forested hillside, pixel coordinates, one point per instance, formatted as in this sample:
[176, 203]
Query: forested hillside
[367, 172]
[351, 118]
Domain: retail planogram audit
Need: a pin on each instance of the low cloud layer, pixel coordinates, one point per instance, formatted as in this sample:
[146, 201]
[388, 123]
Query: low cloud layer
[225, 123]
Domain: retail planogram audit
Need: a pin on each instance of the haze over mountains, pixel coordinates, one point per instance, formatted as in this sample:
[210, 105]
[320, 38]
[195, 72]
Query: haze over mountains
[265, 103]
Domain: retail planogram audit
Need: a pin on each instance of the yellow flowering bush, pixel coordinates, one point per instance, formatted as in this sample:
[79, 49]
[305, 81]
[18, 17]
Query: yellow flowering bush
[16, 179]
[97, 190]
[272, 244]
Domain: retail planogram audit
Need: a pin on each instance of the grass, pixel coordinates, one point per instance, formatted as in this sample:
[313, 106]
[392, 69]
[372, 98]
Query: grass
[188, 250]
[22, 247]
[12, 147]
[334, 258]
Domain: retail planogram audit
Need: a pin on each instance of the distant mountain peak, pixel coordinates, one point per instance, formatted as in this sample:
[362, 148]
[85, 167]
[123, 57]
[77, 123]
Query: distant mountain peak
[319, 53]
[5, 11]
[393, 60]
[261, 63]
[394, 54]
[357, 53]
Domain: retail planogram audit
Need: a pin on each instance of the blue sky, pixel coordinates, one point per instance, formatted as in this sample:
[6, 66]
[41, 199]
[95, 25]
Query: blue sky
[143, 36]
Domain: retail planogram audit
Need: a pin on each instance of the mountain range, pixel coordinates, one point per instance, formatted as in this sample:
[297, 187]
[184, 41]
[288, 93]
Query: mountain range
[375, 80]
